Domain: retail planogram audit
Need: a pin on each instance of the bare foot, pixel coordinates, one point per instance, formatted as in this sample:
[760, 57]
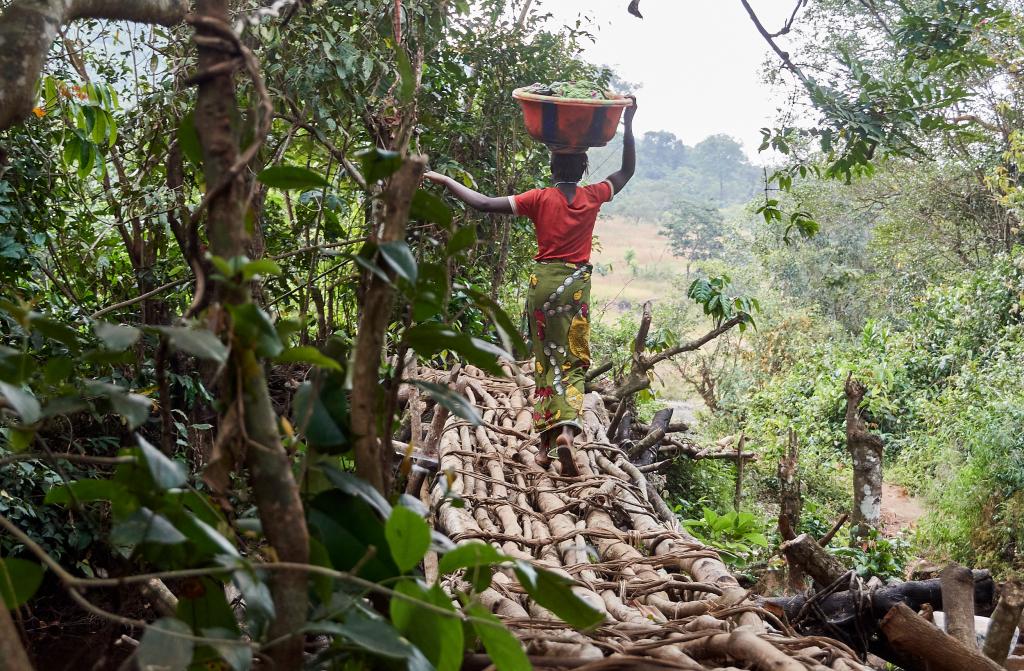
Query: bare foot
[565, 455]
[543, 457]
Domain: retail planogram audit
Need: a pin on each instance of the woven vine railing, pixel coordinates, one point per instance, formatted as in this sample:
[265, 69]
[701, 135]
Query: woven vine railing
[669, 601]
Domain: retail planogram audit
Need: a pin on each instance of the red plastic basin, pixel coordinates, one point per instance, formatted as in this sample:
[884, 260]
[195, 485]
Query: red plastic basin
[570, 125]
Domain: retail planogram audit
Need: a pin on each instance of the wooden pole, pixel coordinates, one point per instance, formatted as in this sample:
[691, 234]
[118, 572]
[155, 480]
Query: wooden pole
[958, 604]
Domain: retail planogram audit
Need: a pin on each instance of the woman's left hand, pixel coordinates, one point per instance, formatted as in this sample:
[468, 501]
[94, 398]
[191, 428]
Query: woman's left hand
[435, 177]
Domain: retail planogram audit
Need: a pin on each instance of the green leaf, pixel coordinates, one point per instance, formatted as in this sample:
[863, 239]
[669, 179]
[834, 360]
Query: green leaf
[502, 647]
[23, 402]
[166, 473]
[57, 369]
[428, 207]
[238, 656]
[291, 177]
[19, 440]
[256, 592]
[164, 647]
[134, 408]
[431, 339]
[456, 403]
[323, 585]
[321, 415]
[19, 580]
[354, 486]
[253, 328]
[378, 163]
[88, 490]
[145, 526]
[469, 555]
[431, 291]
[408, 537]
[259, 267]
[400, 258]
[372, 633]
[408, 78]
[553, 591]
[310, 355]
[198, 342]
[462, 239]
[56, 330]
[439, 637]
[188, 140]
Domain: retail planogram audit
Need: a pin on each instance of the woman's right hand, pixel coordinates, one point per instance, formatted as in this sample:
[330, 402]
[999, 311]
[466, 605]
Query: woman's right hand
[435, 177]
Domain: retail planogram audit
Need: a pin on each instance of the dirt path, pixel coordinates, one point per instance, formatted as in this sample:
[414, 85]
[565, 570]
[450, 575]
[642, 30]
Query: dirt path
[900, 511]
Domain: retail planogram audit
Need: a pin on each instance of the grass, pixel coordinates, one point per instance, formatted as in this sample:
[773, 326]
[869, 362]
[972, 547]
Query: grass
[650, 276]
[653, 275]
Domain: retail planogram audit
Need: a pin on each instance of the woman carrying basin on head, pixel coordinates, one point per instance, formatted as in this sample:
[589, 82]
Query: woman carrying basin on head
[558, 303]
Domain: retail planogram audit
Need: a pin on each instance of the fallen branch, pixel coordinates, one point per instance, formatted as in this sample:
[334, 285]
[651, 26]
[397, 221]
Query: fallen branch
[917, 639]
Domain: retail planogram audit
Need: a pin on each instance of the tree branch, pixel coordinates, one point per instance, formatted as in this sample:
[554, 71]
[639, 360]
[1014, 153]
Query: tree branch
[695, 344]
[29, 27]
[770, 39]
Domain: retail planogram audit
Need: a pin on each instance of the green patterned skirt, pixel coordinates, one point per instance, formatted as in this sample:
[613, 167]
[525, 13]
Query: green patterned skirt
[558, 311]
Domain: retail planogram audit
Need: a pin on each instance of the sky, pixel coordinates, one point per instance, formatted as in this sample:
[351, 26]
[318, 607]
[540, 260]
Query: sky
[699, 62]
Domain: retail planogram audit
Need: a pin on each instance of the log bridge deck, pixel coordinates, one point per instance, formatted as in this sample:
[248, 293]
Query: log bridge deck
[669, 601]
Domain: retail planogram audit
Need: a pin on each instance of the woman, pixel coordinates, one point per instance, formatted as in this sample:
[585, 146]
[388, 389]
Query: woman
[558, 305]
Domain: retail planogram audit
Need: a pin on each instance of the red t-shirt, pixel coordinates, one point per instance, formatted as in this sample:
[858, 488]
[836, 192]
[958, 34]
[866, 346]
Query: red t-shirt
[564, 231]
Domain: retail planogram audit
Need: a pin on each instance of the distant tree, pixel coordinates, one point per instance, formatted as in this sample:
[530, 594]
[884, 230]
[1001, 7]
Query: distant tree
[721, 156]
[663, 153]
[694, 231]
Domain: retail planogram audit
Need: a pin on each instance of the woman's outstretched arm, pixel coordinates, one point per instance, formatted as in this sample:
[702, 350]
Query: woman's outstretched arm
[475, 200]
[625, 173]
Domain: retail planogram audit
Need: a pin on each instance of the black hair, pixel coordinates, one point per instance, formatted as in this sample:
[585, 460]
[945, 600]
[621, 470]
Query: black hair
[568, 167]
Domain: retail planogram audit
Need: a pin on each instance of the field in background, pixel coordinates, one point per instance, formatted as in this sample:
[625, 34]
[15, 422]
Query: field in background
[654, 274]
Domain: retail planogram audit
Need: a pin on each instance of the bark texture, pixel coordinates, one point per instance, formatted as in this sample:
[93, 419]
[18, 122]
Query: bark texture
[250, 421]
[805, 555]
[12, 653]
[866, 450]
[958, 604]
[927, 648]
[1004, 620]
[29, 27]
[373, 460]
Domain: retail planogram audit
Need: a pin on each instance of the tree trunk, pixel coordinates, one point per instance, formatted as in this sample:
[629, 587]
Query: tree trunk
[275, 491]
[790, 507]
[920, 641]
[12, 653]
[373, 461]
[958, 604]
[1004, 621]
[866, 450]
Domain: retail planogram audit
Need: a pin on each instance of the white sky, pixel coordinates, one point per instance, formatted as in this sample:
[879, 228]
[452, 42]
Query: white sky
[699, 61]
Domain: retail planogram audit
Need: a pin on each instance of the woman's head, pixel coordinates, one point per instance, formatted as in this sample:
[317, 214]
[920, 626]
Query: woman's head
[568, 167]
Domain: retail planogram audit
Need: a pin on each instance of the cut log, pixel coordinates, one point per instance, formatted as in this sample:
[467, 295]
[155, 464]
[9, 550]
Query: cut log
[646, 451]
[804, 554]
[925, 647]
[1004, 621]
[958, 604]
